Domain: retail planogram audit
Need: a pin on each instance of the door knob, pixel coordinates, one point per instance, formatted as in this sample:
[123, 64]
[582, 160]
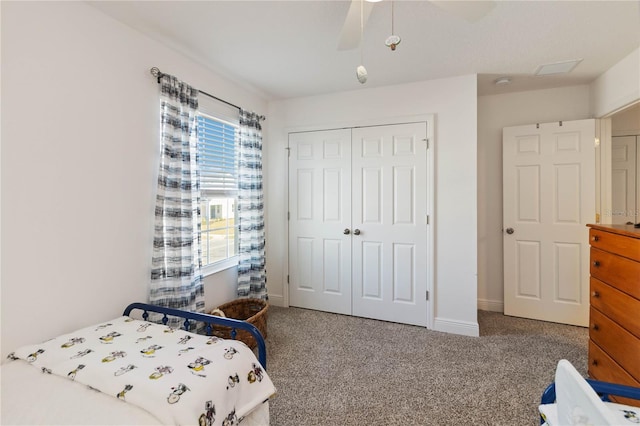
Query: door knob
[510, 231]
[346, 231]
[356, 231]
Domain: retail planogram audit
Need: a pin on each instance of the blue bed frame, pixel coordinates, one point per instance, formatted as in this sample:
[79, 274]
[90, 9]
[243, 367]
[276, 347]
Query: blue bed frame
[603, 389]
[209, 320]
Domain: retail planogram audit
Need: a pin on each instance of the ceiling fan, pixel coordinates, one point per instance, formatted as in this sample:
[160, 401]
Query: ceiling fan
[351, 31]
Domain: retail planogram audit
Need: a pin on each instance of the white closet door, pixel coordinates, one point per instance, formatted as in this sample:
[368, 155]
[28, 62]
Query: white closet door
[389, 222]
[320, 211]
[623, 179]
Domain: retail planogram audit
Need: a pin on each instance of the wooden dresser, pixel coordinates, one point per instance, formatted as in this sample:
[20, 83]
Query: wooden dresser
[614, 316]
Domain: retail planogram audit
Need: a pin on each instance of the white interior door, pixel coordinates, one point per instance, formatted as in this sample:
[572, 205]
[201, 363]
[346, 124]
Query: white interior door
[389, 207]
[623, 179]
[548, 198]
[319, 213]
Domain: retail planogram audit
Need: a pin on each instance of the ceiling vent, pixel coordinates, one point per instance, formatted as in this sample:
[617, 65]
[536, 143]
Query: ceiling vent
[557, 68]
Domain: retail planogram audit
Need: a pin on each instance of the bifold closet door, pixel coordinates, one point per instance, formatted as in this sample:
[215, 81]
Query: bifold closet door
[389, 205]
[357, 221]
[624, 180]
[319, 220]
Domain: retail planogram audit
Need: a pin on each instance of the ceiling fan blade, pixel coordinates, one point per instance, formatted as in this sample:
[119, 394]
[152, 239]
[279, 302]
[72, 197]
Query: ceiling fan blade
[350, 34]
[469, 10]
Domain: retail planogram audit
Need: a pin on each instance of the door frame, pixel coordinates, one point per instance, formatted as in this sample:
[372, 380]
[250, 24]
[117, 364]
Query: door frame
[429, 119]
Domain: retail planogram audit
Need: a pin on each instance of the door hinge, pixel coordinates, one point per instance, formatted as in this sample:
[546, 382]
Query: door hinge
[288, 215]
[427, 295]
[288, 151]
[427, 219]
[427, 141]
[287, 279]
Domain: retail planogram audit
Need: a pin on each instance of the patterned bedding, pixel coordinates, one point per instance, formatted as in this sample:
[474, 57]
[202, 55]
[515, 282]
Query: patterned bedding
[179, 377]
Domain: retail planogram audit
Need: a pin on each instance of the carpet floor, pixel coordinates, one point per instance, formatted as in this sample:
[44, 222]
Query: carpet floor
[334, 369]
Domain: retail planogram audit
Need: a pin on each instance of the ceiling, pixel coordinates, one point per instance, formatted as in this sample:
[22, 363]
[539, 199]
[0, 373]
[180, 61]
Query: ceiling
[285, 49]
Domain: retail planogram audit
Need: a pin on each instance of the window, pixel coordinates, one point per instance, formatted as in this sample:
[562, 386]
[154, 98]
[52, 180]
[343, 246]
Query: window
[218, 183]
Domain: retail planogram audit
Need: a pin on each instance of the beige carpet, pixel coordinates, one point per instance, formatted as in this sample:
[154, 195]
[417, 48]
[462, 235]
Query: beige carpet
[338, 370]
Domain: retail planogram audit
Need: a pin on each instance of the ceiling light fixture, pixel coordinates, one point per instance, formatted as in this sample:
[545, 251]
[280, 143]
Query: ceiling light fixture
[393, 40]
[361, 71]
[502, 81]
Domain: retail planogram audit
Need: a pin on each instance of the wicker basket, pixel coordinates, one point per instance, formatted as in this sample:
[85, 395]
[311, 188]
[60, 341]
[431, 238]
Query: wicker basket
[253, 311]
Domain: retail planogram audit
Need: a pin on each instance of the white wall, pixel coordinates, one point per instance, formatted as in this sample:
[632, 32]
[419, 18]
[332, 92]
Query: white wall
[618, 87]
[453, 101]
[79, 164]
[494, 113]
[626, 122]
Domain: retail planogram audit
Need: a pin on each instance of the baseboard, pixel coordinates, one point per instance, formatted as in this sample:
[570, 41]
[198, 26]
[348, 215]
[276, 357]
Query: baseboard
[491, 305]
[465, 328]
[276, 300]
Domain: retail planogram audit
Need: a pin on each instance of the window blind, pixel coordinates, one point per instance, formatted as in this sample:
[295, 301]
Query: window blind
[218, 161]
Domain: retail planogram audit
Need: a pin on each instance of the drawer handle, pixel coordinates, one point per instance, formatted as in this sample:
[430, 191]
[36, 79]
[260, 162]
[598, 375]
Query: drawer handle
[594, 362]
[595, 238]
[596, 263]
[595, 294]
[596, 327]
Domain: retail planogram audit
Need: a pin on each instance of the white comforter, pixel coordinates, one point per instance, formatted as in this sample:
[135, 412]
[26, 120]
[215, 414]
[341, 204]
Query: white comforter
[178, 377]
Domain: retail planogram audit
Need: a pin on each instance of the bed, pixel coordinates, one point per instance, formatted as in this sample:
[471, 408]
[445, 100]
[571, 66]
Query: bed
[139, 369]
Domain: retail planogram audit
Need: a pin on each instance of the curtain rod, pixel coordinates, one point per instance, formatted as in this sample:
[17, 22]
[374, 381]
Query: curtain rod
[158, 74]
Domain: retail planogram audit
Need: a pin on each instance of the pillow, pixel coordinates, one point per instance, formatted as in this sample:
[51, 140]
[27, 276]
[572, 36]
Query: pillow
[578, 404]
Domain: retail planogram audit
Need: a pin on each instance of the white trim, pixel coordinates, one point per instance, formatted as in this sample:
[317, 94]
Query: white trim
[419, 118]
[277, 300]
[213, 268]
[431, 212]
[633, 132]
[491, 305]
[465, 328]
[604, 149]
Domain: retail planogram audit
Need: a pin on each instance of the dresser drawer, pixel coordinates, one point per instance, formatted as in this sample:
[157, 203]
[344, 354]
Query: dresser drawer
[617, 342]
[602, 367]
[617, 271]
[614, 243]
[620, 307]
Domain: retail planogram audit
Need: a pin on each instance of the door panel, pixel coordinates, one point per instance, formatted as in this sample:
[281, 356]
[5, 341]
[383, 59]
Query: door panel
[320, 209]
[389, 208]
[548, 198]
[623, 179]
[528, 269]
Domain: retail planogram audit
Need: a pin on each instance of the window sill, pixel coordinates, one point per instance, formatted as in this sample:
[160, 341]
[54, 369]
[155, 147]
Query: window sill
[232, 262]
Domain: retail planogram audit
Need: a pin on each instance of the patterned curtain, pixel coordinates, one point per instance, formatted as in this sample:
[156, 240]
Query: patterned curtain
[252, 279]
[176, 278]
